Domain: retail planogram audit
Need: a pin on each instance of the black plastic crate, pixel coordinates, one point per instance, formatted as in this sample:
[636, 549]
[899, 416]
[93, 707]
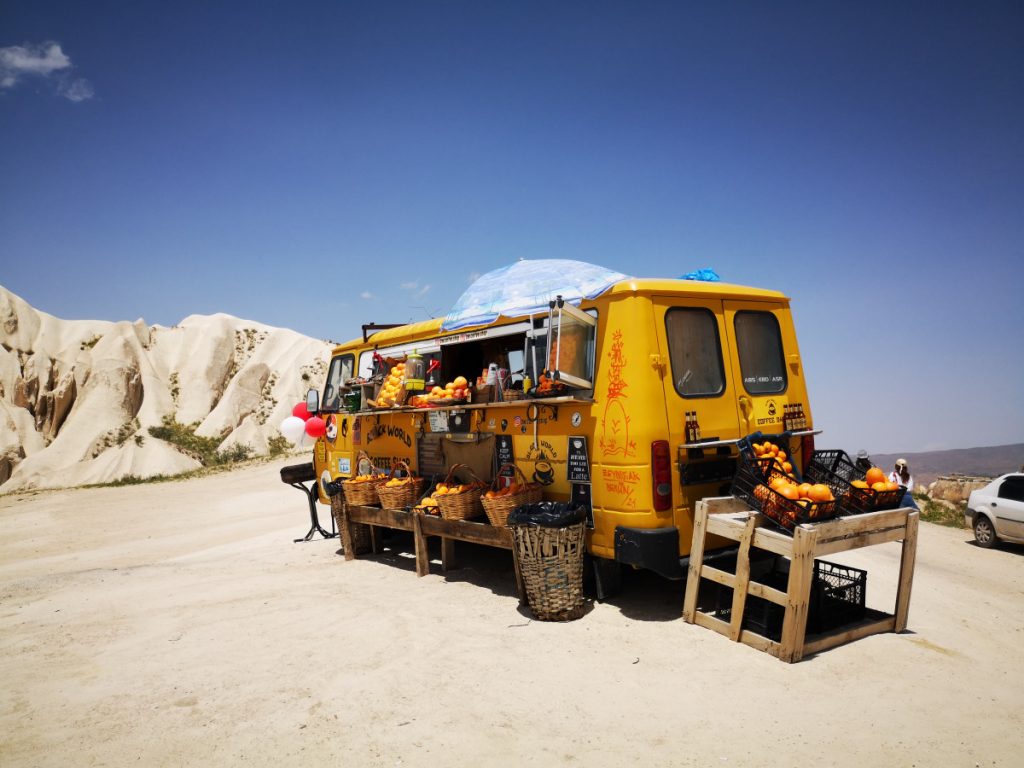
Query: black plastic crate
[838, 596]
[750, 485]
[834, 469]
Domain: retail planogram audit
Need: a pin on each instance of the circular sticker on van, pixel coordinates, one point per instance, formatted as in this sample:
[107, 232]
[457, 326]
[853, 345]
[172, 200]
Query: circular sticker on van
[577, 418]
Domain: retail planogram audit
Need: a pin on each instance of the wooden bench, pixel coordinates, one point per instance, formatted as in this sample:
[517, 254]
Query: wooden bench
[732, 519]
[423, 526]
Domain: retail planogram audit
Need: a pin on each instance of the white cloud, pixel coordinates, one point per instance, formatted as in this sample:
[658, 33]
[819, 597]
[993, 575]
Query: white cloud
[414, 287]
[45, 61]
[366, 295]
[77, 90]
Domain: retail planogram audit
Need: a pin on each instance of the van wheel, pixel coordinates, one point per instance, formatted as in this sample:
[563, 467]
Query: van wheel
[984, 533]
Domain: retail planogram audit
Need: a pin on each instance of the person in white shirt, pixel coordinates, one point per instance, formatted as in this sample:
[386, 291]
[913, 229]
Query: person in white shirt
[901, 476]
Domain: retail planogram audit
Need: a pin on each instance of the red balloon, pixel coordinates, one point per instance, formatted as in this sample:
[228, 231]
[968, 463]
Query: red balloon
[300, 411]
[315, 426]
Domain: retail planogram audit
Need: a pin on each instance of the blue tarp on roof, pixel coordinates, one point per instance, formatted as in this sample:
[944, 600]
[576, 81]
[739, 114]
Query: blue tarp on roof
[526, 287]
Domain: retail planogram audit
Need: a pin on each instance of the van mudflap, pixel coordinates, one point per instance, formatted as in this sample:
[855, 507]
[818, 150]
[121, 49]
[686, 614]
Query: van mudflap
[656, 549]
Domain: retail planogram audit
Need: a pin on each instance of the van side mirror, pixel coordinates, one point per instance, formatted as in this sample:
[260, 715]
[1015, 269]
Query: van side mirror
[313, 401]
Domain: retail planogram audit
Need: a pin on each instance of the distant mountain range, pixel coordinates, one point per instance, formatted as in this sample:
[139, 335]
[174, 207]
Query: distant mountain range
[926, 466]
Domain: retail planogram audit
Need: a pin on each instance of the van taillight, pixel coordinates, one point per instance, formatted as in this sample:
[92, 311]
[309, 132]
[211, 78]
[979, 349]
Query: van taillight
[661, 475]
[806, 451]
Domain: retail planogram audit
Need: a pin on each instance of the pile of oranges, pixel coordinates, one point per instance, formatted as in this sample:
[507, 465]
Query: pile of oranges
[429, 504]
[453, 390]
[398, 482]
[767, 450]
[875, 480]
[392, 388]
[508, 490]
[364, 479]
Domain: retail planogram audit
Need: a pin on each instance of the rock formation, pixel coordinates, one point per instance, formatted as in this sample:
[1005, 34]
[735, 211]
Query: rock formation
[78, 398]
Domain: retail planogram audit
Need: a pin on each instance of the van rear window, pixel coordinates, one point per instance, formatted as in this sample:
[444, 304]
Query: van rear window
[759, 344]
[695, 352]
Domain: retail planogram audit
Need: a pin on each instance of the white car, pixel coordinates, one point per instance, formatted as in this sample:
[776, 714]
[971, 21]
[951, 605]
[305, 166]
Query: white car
[997, 511]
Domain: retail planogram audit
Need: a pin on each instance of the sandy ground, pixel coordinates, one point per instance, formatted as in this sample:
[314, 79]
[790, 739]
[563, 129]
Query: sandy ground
[177, 624]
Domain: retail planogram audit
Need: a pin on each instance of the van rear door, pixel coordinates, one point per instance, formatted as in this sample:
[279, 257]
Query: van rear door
[696, 370]
[761, 343]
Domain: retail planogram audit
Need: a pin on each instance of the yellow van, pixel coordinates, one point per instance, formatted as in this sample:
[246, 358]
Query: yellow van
[657, 380]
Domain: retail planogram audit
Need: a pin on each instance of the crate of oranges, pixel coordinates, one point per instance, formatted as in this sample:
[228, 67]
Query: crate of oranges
[751, 451]
[779, 496]
[858, 490]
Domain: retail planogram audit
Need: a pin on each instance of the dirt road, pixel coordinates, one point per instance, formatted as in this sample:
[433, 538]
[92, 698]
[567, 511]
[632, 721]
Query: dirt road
[177, 624]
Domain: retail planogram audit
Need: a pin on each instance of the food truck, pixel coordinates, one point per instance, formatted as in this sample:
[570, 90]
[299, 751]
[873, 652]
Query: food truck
[626, 395]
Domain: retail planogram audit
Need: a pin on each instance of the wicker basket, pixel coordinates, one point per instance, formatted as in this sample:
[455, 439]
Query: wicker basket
[364, 493]
[400, 496]
[498, 507]
[464, 505]
[551, 564]
[360, 531]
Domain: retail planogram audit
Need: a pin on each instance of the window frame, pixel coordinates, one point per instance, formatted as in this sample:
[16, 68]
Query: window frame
[327, 380]
[718, 345]
[1015, 482]
[781, 348]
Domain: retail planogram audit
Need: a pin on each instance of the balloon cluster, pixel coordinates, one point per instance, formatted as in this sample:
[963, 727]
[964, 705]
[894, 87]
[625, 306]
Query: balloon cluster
[302, 428]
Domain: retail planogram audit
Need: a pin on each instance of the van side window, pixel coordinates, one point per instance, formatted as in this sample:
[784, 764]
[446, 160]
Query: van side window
[695, 352]
[759, 344]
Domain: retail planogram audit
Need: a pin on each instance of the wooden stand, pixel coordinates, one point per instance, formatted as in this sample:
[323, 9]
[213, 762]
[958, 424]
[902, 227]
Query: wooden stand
[423, 526]
[730, 518]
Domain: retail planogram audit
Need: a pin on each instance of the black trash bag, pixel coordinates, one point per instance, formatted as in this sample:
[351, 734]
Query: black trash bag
[550, 514]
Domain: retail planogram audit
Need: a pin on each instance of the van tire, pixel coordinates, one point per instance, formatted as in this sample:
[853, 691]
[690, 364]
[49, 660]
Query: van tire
[984, 532]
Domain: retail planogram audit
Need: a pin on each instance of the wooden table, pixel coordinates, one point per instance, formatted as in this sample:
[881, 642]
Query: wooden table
[423, 526]
[730, 518]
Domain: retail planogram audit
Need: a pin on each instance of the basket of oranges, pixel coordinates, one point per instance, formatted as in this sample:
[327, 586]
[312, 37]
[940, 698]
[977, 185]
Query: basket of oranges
[399, 491]
[361, 490]
[460, 501]
[859, 491]
[499, 500]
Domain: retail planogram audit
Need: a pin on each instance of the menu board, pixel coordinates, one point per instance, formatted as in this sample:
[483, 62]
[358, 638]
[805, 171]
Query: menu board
[504, 453]
[578, 465]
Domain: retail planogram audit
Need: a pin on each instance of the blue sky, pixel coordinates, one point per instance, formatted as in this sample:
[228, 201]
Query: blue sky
[321, 165]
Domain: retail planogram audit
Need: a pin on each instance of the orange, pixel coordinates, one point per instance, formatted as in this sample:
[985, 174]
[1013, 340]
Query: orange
[891, 486]
[880, 486]
[787, 467]
[874, 475]
[820, 492]
[789, 491]
[804, 488]
[460, 382]
[777, 482]
[782, 455]
[859, 484]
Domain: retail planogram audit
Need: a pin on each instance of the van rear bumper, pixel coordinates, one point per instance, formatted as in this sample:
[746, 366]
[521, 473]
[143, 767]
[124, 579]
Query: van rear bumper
[656, 549]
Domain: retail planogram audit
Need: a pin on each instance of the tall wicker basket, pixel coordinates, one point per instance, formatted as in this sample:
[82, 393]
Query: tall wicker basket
[551, 563]
[360, 531]
[400, 496]
[498, 507]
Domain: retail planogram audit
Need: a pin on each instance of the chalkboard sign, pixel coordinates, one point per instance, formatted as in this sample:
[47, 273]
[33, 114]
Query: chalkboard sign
[580, 496]
[504, 453]
[578, 465]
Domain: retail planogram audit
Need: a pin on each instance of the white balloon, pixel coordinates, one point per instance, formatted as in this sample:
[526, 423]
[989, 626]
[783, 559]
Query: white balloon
[293, 428]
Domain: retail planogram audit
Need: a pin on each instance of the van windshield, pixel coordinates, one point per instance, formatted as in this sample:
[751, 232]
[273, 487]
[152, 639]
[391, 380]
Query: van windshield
[759, 344]
[695, 352]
